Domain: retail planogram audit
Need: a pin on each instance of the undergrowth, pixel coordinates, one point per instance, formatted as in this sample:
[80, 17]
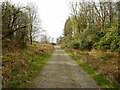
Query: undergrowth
[102, 81]
[20, 68]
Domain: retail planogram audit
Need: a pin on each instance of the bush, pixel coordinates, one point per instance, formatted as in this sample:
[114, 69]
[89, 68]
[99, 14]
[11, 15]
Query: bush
[85, 44]
[115, 44]
[111, 41]
[75, 44]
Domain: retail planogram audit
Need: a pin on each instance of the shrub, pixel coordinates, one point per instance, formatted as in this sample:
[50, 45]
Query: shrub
[75, 44]
[85, 44]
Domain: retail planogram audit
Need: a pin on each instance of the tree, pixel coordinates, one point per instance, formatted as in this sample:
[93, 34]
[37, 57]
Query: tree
[68, 29]
[34, 21]
[92, 25]
[12, 19]
[19, 24]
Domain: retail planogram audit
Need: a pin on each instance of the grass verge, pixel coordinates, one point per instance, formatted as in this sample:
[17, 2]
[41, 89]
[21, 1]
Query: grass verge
[102, 81]
[22, 66]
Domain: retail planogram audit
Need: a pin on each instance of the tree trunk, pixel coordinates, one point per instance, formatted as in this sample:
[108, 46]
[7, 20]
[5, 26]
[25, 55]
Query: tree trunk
[31, 34]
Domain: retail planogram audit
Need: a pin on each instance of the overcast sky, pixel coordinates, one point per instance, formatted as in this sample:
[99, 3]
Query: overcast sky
[52, 13]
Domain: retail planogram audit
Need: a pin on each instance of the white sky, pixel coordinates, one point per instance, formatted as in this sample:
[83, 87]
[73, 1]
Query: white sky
[53, 14]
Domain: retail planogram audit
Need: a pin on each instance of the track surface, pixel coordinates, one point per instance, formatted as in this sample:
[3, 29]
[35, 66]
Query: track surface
[63, 72]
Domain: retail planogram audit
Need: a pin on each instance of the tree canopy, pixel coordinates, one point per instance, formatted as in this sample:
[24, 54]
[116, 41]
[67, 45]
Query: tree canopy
[19, 23]
[93, 25]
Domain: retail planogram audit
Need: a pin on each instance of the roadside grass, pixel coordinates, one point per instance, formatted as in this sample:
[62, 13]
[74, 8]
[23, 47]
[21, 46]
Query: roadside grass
[35, 64]
[20, 69]
[102, 81]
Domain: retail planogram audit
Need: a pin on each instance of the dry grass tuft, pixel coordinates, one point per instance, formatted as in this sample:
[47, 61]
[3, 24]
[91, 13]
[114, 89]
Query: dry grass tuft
[14, 61]
[104, 62]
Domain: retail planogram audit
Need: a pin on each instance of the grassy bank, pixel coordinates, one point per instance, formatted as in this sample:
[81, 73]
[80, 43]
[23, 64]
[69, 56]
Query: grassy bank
[81, 59]
[20, 67]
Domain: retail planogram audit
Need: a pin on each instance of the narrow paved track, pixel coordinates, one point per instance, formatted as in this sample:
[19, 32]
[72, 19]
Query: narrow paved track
[63, 72]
